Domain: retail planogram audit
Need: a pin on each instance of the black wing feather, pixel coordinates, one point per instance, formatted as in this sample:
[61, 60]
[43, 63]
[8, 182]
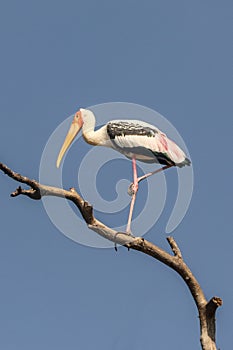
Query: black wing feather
[124, 128]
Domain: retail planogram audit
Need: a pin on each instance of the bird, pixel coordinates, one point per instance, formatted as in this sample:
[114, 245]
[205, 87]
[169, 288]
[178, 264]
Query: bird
[136, 139]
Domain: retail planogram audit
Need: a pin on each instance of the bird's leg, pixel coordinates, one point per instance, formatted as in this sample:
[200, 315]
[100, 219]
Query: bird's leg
[154, 172]
[133, 188]
[133, 192]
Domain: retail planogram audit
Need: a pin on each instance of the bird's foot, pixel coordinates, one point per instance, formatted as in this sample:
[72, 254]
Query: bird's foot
[132, 189]
[128, 232]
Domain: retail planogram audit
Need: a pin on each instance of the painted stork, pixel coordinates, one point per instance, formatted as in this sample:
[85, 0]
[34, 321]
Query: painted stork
[136, 139]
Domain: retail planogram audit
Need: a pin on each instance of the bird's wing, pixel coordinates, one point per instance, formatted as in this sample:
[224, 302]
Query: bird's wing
[148, 143]
[140, 139]
[130, 127]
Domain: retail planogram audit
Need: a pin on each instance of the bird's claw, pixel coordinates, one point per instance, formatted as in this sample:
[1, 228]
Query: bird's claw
[132, 189]
[129, 233]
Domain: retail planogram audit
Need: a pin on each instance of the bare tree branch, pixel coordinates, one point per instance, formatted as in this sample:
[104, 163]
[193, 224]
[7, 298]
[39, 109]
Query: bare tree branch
[206, 309]
[174, 247]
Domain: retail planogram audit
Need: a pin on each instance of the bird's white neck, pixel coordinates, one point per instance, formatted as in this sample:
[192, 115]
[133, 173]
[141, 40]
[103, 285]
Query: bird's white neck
[91, 136]
[88, 123]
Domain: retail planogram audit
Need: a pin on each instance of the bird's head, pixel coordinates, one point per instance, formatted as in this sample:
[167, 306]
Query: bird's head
[75, 127]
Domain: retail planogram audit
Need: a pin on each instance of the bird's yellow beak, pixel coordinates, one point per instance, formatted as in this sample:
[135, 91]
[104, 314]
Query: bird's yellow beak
[75, 127]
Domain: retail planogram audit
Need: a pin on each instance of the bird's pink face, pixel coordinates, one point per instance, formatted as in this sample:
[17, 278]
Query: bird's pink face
[75, 127]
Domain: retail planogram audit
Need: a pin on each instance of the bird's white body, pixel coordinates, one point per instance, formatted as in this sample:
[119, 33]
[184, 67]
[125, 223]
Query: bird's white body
[133, 138]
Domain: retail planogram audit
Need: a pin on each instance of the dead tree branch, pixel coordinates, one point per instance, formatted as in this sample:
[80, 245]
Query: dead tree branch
[206, 309]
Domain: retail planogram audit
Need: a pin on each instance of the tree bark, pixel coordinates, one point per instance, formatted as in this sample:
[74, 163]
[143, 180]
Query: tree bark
[206, 309]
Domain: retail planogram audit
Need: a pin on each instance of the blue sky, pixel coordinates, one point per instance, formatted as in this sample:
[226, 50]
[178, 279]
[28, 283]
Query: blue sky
[171, 56]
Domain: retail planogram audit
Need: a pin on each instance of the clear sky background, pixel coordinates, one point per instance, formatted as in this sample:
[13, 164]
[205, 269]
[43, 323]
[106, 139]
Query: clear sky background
[172, 56]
